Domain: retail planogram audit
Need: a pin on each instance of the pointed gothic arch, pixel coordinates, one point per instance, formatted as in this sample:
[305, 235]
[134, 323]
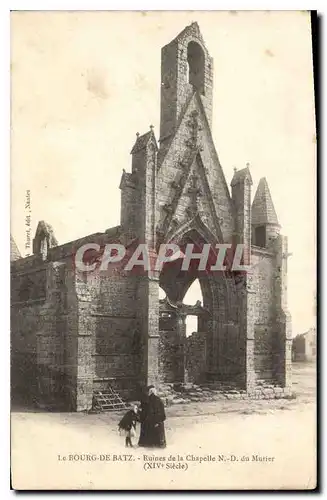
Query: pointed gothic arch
[197, 225]
[220, 296]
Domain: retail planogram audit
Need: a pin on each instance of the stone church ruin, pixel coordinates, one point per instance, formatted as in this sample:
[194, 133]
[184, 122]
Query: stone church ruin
[73, 336]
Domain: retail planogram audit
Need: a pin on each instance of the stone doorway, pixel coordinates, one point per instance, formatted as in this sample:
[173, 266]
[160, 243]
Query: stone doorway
[182, 357]
[214, 350]
[183, 325]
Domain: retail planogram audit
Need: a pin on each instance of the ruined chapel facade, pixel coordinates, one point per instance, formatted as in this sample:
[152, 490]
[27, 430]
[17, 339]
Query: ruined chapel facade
[73, 335]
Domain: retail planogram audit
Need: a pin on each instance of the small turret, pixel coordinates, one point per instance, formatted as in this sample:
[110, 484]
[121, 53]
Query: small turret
[265, 225]
[44, 239]
[138, 189]
[241, 196]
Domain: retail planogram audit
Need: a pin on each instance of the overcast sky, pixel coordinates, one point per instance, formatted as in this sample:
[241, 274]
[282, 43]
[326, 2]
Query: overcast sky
[83, 84]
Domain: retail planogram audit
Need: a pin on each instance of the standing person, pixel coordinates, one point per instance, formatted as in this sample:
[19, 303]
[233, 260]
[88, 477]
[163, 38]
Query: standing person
[155, 417]
[128, 425]
[143, 440]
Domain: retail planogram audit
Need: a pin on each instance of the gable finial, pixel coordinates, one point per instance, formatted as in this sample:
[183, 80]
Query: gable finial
[247, 165]
[235, 169]
[151, 128]
[137, 135]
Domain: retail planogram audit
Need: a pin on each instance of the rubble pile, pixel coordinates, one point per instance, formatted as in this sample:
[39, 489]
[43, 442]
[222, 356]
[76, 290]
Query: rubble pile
[179, 393]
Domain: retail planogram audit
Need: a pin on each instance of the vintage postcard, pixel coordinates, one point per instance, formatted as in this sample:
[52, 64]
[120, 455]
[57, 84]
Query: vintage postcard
[163, 215]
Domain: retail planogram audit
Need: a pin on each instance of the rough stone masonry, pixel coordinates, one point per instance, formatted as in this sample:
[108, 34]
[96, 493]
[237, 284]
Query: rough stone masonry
[73, 334]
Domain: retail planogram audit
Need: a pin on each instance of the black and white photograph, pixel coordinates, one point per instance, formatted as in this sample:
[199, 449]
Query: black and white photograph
[163, 250]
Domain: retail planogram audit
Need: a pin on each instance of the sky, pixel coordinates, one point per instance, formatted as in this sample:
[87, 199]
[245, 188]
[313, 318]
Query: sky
[83, 84]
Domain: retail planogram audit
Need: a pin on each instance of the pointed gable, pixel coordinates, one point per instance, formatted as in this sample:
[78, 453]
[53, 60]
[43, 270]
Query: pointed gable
[242, 175]
[127, 179]
[192, 30]
[193, 197]
[186, 67]
[14, 252]
[143, 140]
[192, 151]
[263, 210]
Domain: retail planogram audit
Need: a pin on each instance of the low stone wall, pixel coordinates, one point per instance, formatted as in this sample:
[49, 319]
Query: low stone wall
[188, 393]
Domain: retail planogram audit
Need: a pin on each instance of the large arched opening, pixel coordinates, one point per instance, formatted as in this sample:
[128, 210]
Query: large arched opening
[197, 349]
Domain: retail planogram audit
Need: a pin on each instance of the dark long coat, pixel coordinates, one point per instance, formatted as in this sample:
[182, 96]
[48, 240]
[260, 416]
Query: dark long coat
[152, 419]
[128, 421]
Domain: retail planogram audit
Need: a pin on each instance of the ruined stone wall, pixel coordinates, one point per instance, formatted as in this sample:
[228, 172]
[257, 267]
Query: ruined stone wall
[226, 338]
[117, 336]
[262, 285]
[129, 206]
[171, 349]
[147, 308]
[263, 352]
[26, 321]
[168, 356]
[231, 362]
[283, 336]
[39, 297]
[196, 357]
[69, 337]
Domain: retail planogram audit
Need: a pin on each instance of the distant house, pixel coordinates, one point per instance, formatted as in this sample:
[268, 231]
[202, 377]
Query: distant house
[304, 346]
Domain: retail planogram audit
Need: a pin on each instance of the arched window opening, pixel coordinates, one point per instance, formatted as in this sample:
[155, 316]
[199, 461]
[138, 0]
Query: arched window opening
[193, 294]
[196, 63]
[260, 236]
[191, 324]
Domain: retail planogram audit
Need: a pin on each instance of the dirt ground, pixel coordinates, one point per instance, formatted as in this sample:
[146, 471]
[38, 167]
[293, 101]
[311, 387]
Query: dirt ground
[229, 444]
